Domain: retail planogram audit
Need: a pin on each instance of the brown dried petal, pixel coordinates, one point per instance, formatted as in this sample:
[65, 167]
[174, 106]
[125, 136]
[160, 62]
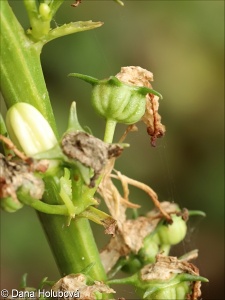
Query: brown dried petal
[109, 225]
[166, 267]
[77, 282]
[15, 174]
[134, 232]
[152, 119]
[135, 75]
[115, 249]
[111, 195]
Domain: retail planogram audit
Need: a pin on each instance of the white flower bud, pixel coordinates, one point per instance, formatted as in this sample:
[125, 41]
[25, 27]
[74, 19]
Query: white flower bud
[29, 130]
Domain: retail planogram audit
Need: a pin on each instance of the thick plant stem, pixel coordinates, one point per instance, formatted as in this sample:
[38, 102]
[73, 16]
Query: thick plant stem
[73, 246]
[22, 80]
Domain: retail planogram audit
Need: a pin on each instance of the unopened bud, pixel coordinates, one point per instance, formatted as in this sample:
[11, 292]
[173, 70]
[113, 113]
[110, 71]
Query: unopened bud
[44, 11]
[29, 130]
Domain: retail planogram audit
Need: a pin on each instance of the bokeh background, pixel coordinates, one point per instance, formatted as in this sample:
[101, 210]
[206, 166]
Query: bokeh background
[182, 43]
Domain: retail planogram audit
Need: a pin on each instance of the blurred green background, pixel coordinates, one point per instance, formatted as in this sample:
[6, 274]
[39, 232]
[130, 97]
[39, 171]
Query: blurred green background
[182, 43]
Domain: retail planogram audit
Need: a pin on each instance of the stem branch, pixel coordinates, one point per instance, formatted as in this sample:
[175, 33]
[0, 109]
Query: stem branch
[109, 130]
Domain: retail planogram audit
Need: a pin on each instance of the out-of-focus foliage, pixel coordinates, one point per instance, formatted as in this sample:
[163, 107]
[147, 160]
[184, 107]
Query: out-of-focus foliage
[182, 43]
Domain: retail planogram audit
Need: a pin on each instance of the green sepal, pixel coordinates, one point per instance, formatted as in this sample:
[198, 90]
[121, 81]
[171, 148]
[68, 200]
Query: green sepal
[95, 215]
[125, 280]
[140, 89]
[73, 123]
[196, 213]
[144, 90]
[114, 81]
[86, 78]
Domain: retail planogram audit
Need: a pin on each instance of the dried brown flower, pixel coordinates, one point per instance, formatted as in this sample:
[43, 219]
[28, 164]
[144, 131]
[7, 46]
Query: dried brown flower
[89, 150]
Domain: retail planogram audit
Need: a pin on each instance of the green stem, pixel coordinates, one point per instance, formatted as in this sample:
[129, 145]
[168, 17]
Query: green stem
[39, 19]
[73, 246]
[32, 11]
[109, 130]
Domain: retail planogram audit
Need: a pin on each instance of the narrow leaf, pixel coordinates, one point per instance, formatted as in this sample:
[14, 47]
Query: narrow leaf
[70, 28]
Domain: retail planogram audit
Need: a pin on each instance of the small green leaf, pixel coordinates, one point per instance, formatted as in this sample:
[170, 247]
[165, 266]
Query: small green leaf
[70, 28]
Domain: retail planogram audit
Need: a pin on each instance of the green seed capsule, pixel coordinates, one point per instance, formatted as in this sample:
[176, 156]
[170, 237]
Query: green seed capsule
[149, 250]
[132, 266]
[114, 100]
[174, 233]
[166, 279]
[178, 291]
[117, 101]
